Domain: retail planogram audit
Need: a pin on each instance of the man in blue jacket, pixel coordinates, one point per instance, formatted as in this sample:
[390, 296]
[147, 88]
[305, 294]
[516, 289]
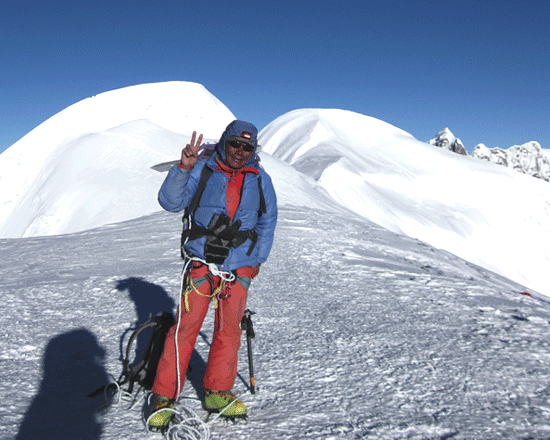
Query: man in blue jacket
[232, 212]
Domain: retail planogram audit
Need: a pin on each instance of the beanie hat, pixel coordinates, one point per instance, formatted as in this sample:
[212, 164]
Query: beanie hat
[242, 132]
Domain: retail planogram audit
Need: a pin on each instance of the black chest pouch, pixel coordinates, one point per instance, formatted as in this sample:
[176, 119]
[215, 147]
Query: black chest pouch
[219, 239]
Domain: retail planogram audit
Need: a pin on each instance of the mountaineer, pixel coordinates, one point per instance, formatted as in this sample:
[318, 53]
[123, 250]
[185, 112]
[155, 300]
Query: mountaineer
[230, 212]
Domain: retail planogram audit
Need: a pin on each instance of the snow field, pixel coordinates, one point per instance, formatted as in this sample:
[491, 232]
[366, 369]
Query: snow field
[360, 333]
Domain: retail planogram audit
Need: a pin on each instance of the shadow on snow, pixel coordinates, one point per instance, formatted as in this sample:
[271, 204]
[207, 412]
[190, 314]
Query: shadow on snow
[72, 367]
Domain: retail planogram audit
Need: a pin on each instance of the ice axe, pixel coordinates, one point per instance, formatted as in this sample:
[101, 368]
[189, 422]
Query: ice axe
[246, 324]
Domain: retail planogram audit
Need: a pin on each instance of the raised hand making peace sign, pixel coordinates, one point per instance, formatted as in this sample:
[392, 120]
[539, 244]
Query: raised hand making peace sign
[189, 155]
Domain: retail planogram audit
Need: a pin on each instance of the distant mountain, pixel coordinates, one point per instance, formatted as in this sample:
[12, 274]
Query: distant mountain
[528, 158]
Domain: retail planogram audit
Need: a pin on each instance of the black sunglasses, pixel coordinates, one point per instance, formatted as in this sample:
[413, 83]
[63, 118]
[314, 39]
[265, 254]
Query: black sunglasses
[237, 144]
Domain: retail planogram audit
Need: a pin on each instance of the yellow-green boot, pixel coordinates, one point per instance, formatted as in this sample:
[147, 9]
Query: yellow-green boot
[218, 401]
[160, 420]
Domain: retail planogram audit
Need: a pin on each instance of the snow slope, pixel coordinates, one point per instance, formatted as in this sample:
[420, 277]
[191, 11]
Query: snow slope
[486, 214]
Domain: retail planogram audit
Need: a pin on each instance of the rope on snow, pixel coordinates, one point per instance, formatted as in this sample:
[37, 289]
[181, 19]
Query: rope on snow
[186, 424]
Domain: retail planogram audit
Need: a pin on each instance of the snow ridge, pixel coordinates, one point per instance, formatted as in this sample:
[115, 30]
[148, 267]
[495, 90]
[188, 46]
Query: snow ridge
[409, 187]
[88, 165]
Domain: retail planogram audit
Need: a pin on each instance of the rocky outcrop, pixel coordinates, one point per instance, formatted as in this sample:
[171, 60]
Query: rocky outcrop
[528, 158]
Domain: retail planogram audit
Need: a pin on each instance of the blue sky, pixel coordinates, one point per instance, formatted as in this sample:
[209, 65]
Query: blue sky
[481, 68]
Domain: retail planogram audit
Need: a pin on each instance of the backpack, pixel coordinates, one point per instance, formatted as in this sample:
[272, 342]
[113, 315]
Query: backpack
[143, 372]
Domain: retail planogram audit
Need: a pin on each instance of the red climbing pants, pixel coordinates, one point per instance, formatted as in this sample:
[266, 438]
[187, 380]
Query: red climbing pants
[221, 368]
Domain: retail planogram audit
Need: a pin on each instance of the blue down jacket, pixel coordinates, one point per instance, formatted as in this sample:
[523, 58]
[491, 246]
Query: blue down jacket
[180, 186]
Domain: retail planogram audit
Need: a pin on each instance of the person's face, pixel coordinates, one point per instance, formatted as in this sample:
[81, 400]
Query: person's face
[235, 154]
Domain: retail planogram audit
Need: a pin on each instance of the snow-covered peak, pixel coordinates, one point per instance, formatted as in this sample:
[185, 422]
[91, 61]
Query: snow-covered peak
[528, 158]
[446, 139]
[90, 164]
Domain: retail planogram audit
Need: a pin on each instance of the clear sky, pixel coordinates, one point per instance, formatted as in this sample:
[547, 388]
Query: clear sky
[481, 68]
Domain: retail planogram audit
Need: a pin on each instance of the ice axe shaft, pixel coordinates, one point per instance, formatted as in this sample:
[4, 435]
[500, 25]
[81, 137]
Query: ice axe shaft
[246, 324]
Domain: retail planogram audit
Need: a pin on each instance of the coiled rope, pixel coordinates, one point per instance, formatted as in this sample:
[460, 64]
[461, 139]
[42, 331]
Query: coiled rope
[121, 396]
[186, 424]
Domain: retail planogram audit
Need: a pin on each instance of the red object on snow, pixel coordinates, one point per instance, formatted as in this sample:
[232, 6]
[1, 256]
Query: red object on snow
[526, 293]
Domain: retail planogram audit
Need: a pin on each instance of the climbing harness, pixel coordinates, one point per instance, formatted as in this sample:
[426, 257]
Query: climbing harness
[192, 287]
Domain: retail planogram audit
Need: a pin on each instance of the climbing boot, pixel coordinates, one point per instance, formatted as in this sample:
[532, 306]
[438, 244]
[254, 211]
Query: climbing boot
[160, 420]
[224, 402]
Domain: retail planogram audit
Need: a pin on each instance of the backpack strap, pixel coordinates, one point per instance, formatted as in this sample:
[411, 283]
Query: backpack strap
[263, 206]
[187, 219]
[205, 175]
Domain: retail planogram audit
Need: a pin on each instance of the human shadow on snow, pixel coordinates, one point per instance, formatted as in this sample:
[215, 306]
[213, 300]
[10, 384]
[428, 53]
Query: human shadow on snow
[72, 367]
